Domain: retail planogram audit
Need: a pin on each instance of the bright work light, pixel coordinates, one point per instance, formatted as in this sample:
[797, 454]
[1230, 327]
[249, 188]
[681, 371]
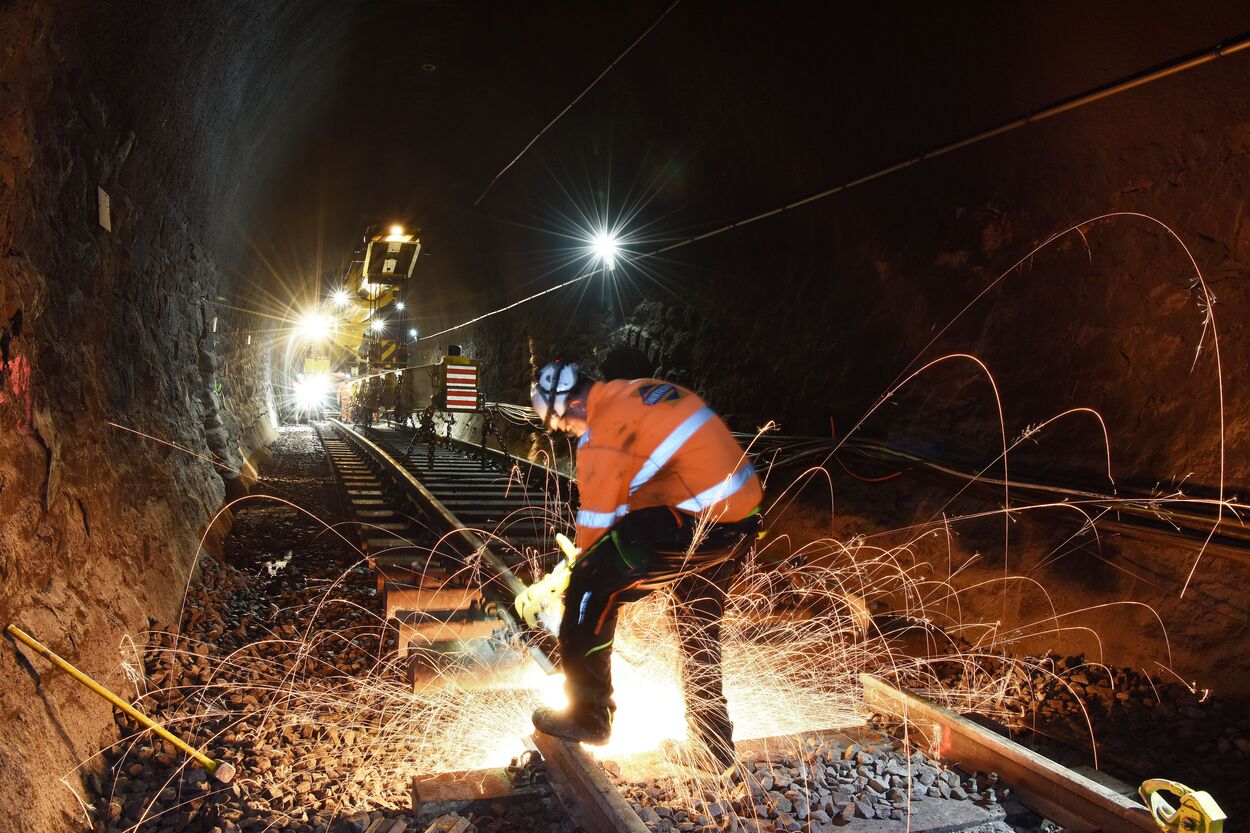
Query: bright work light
[310, 392]
[339, 297]
[314, 326]
[396, 234]
[605, 247]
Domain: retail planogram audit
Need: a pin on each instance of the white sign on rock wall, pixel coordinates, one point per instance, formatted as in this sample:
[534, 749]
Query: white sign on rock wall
[106, 214]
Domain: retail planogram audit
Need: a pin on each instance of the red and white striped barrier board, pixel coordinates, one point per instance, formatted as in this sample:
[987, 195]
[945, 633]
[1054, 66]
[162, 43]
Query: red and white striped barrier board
[460, 383]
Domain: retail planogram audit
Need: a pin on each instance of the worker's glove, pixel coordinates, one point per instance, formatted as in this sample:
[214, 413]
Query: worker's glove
[543, 601]
[566, 546]
[544, 597]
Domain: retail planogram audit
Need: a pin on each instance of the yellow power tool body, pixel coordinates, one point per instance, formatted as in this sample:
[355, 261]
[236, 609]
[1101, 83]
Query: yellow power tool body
[542, 603]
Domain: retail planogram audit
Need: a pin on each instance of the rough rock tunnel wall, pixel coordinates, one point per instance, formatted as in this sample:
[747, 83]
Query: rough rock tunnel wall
[99, 527]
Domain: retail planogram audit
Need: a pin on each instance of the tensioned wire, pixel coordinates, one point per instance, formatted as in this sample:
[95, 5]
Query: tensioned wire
[1220, 50]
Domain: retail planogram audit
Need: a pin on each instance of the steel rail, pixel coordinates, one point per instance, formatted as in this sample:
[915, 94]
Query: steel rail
[1077, 803]
[503, 584]
[602, 807]
[532, 467]
[1133, 512]
[1061, 794]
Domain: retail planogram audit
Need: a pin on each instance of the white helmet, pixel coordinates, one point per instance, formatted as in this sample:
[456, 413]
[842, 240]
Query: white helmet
[550, 392]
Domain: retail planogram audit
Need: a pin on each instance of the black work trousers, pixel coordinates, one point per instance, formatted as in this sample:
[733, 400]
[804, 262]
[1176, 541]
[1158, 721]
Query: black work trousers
[645, 551]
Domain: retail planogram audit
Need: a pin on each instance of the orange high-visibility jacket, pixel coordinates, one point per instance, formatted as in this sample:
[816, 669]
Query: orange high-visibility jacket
[345, 400]
[652, 443]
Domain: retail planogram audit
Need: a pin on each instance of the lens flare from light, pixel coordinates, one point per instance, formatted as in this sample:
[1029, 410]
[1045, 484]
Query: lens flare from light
[399, 305]
[412, 333]
[339, 297]
[377, 325]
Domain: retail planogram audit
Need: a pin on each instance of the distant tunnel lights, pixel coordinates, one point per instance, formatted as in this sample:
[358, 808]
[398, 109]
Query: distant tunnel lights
[310, 392]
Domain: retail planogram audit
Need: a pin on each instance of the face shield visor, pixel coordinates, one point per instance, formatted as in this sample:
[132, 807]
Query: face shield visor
[550, 392]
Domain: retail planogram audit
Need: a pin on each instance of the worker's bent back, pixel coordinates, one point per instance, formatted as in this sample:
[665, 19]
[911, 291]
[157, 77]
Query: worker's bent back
[653, 443]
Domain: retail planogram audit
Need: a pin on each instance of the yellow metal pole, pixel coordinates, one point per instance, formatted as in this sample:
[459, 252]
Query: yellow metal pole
[223, 771]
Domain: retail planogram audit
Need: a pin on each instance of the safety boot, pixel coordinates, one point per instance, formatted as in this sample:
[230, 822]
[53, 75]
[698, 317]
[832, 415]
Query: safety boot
[566, 725]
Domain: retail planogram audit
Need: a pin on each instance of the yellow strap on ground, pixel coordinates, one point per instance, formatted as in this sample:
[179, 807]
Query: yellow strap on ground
[221, 770]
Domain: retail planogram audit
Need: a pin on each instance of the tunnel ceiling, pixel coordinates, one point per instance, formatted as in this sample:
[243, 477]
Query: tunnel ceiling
[248, 145]
[311, 120]
[291, 125]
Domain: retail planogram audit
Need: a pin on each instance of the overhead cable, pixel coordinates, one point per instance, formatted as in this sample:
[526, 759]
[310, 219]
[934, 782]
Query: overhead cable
[573, 103]
[1222, 49]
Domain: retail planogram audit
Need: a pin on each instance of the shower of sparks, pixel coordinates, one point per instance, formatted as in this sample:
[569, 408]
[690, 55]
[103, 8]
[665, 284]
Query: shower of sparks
[323, 682]
[804, 619]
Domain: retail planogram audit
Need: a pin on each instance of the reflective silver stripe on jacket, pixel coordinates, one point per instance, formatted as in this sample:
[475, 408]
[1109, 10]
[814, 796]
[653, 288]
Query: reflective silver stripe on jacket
[725, 489]
[600, 520]
[665, 450]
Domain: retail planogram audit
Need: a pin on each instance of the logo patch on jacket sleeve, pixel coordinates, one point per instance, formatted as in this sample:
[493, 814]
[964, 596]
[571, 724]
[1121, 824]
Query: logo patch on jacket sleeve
[653, 394]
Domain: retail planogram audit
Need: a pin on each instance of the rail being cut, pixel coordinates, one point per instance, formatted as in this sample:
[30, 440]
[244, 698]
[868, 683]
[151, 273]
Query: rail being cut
[498, 518]
[466, 503]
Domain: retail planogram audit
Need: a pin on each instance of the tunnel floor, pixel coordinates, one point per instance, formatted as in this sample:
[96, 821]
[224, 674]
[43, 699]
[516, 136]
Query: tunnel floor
[261, 672]
[282, 666]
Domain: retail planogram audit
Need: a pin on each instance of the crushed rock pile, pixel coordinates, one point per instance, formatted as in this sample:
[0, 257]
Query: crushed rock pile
[824, 786]
[248, 678]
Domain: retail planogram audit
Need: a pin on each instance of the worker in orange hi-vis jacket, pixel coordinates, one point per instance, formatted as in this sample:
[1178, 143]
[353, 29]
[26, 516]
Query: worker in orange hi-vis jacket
[668, 500]
[345, 400]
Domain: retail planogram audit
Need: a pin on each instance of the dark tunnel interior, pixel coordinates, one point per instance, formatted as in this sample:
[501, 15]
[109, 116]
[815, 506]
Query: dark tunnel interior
[1058, 312]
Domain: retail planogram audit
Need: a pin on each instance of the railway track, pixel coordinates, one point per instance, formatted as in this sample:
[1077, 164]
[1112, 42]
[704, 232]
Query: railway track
[448, 539]
[454, 540]
[1048, 788]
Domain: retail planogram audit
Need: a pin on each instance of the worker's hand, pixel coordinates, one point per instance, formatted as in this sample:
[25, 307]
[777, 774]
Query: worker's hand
[566, 546]
[545, 595]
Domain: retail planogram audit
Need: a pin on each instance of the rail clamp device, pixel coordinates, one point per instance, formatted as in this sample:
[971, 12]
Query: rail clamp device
[1197, 812]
